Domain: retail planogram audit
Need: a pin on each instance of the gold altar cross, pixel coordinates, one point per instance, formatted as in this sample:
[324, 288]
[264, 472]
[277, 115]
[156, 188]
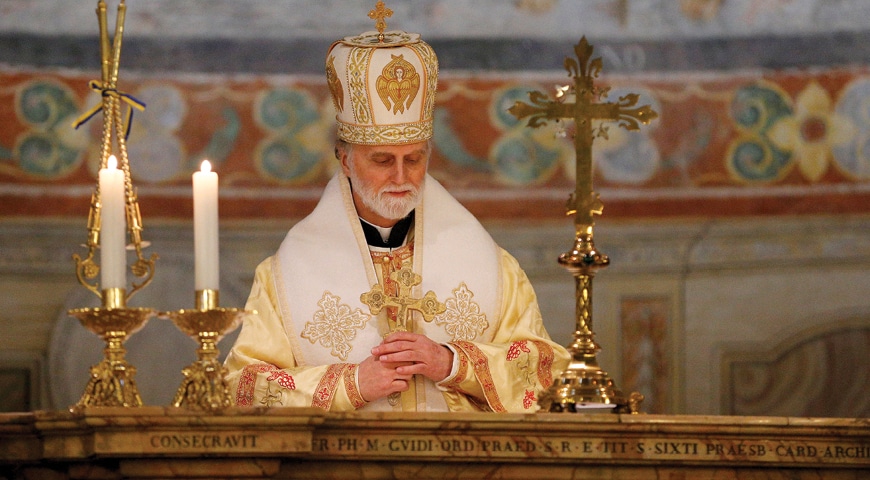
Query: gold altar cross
[378, 14]
[584, 382]
[406, 279]
[584, 203]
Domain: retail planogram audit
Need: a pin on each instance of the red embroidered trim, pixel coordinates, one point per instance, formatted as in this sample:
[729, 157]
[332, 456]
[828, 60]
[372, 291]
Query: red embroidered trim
[349, 377]
[481, 371]
[528, 399]
[461, 373]
[545, 362]
[325, 390]
[515, 349]
[283, 378]
[248, 380]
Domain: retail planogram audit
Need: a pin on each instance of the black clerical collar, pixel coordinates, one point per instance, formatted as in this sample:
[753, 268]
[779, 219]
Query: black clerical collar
[397, 234]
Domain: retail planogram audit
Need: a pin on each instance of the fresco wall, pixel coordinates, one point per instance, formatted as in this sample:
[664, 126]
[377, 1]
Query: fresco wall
[746, 125]
[729, 144]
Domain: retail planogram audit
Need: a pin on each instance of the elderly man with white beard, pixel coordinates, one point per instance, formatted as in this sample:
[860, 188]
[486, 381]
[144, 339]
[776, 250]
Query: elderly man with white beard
[342, 320]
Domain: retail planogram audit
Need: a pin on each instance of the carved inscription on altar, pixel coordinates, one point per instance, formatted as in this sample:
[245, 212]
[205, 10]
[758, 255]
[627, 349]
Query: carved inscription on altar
[643, 449]
[163, 442]
[194, 441]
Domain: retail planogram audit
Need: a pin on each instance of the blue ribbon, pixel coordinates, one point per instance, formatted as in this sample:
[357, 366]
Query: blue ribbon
[130, 100]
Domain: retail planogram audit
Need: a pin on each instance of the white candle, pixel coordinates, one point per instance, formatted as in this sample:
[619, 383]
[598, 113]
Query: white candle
[205, 228]
[113, 227]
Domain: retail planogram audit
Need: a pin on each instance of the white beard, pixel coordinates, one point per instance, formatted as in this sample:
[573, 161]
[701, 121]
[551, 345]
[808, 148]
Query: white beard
[386, 206]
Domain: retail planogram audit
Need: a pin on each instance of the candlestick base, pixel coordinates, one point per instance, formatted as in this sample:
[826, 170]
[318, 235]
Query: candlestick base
[204, 387]
[112, 383]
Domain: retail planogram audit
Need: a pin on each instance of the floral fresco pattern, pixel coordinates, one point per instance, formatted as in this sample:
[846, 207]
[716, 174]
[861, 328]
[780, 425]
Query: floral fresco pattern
[753, 156]
[46, 148]
[723, 144]
[812, 131]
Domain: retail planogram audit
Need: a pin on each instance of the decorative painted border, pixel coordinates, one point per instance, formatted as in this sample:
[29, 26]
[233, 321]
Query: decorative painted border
[730, 144]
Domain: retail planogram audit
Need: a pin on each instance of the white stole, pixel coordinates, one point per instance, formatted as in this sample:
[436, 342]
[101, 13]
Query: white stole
[324, 265]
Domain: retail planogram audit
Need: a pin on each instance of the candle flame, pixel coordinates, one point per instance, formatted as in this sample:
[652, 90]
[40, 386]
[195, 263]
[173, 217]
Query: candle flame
[205, 166]
[112, 163]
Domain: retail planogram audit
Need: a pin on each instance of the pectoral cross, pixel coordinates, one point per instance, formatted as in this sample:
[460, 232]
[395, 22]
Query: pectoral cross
[584, 203]
[378, 14]
[406, 279]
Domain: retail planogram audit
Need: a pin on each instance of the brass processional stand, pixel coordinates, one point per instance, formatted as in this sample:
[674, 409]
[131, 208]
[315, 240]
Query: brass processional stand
[112, 382]
[584, 385]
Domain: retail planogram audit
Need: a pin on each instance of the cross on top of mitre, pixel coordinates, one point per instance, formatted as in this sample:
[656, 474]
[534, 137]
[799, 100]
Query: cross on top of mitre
[378, 14]
[428, 305]
[584, 202]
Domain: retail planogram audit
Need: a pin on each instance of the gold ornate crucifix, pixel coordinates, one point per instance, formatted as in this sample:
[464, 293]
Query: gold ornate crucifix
[584, 384]
[406, 279]
[584, 203]
[378, 14]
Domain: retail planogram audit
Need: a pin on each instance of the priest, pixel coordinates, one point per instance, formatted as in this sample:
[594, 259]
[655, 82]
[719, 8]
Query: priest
[342, 320]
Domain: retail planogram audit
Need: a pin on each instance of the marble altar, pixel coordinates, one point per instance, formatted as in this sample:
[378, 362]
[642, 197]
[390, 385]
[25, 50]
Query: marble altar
[166, 442]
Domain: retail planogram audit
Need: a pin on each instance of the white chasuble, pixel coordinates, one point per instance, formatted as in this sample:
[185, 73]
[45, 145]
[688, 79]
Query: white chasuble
[313, 329]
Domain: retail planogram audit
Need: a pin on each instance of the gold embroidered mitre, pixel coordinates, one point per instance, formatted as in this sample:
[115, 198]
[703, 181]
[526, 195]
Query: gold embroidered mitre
[383, 87]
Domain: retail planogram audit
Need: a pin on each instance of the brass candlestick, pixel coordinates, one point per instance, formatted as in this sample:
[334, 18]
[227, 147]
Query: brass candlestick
[584, 385]
[204, 387]
[114, 138]
[111, 382]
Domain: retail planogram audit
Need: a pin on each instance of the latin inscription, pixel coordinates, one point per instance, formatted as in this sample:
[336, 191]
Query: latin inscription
[176, 441]
[644, 449]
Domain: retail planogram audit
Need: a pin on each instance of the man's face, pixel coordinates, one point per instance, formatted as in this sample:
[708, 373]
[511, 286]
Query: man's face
[387, 180]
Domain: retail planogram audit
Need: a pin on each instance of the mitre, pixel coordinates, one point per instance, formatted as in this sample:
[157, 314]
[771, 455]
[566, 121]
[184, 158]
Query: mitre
[383, 87]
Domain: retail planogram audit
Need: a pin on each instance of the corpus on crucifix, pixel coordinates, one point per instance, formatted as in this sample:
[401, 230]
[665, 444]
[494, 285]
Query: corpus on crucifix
[584, 384]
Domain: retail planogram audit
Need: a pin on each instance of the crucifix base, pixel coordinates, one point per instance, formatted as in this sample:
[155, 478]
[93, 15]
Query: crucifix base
[585, 387]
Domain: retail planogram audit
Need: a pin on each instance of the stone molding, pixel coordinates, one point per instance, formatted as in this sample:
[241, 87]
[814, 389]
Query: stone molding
[46, 246]
[150, 442]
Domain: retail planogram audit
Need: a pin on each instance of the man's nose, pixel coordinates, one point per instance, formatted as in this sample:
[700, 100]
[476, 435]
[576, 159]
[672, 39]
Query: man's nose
[399, 172]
